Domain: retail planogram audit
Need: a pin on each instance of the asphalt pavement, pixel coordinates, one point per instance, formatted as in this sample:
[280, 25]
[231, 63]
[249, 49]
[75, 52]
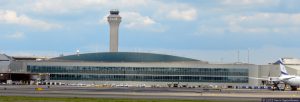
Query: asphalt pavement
[144, 93]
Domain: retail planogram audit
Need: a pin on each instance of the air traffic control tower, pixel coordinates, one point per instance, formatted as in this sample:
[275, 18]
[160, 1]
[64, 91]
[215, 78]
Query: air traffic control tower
[114, 20]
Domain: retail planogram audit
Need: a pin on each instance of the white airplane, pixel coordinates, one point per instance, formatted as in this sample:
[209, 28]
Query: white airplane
[292, 80]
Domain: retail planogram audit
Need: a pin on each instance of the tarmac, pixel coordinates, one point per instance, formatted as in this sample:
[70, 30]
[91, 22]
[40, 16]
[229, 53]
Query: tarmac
[145, 93]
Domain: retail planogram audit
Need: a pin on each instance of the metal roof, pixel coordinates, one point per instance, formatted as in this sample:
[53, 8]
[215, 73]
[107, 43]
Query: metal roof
[124, 57]
[4, 57]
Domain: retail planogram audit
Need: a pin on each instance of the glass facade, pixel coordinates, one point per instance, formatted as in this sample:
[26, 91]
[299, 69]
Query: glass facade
[153, 74]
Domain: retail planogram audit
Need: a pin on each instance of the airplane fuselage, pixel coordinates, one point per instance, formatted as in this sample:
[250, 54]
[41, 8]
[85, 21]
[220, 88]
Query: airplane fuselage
[292, 80]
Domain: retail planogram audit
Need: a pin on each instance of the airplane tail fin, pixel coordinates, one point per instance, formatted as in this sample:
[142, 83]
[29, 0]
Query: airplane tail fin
[282, 67]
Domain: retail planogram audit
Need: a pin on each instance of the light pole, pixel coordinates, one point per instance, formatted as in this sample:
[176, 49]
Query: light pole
[9, 72]
[48, 80]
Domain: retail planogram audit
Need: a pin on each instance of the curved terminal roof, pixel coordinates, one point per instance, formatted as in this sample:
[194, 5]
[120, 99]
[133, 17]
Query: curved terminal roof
[124, 57]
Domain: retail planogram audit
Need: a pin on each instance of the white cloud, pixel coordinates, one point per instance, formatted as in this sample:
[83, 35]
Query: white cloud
[63, 6]
[206, 30]
[188, 15]
[177, 11]
[236, 28]
[136, 20]
[16, 35]
[145, 14]
[11, 17]
[103, 20]
[255, 24]
[250, 2]
[170, 10]
[266, 19]
[264, 22]
[67, 6]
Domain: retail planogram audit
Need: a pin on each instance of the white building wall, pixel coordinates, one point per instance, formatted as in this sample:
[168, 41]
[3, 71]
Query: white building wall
[292, 65]
[4, 66]
[4, 63]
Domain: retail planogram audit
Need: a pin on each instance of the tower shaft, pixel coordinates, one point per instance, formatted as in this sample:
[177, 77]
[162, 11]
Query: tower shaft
[114, 37]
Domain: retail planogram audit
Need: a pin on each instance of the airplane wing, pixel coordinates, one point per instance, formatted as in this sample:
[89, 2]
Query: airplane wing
[288, 78]
[258, 78]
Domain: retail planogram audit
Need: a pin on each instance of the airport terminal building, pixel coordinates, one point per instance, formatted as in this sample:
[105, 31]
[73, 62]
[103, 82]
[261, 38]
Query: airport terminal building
[133, 68]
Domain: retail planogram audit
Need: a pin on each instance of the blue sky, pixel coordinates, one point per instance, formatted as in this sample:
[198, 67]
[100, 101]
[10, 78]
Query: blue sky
[210, 30]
